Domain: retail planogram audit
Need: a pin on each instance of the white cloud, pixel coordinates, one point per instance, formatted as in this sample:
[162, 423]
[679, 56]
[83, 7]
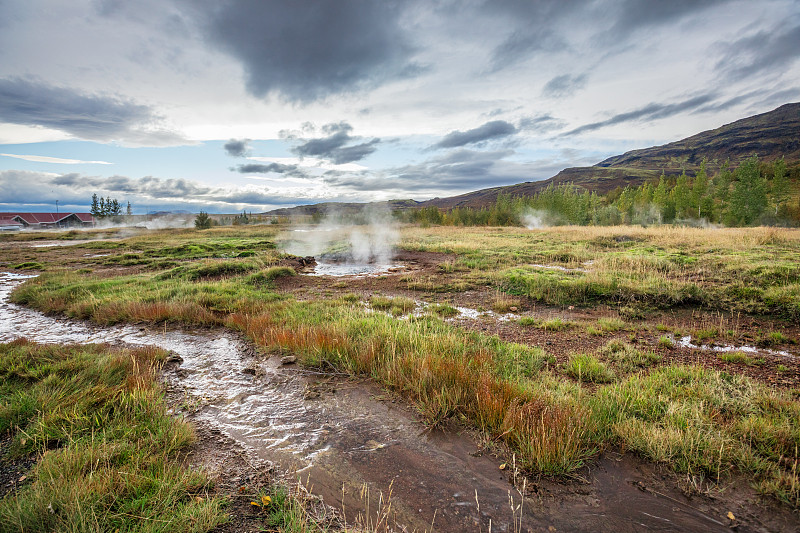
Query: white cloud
[58, 160]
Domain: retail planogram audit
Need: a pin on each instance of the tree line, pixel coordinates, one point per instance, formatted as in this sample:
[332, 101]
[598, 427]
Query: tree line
[107, 207]
[754, 193]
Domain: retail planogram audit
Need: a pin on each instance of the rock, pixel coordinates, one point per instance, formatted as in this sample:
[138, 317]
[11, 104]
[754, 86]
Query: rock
[513, 309]
[288, 360]
[249, 370]
[174, 359]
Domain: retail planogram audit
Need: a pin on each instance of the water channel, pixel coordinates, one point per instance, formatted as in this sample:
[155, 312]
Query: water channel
[341, 435]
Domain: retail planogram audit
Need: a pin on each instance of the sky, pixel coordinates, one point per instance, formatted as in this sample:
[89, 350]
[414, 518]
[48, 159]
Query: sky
[232, 105]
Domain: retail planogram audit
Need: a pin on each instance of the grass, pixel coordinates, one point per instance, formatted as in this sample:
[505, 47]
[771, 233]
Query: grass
[708, 423]
[503, 303]
[706, 334]
[396, 305]
[108, 454]
[587, 368]
[665, 341]
[443, 310]
[739, 358]
[702, 422]
[626, 358]
[29, 265]
[268, 276]
[610, 324]
[753, 270]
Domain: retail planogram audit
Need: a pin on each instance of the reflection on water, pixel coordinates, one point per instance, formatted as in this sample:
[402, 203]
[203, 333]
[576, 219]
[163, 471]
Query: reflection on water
[269, 413]
[323, 268]
[686, 342]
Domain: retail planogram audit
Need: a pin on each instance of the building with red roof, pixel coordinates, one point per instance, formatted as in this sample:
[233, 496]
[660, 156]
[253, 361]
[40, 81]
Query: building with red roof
[46, 220]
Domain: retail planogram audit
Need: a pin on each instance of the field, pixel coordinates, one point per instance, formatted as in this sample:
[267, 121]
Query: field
[555, 346]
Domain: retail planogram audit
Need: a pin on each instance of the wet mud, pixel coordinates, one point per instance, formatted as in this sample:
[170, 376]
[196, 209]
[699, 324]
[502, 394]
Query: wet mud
[341, 435]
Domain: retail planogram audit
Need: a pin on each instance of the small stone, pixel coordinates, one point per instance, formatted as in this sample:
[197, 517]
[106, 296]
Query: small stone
[513, 309]
[174, 358]
[288, 360]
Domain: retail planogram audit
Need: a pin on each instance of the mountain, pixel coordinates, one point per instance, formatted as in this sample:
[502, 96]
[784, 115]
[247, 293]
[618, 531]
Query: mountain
[769, 135]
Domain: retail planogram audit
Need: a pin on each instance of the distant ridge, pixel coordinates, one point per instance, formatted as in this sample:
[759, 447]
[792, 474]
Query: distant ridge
[769, 135]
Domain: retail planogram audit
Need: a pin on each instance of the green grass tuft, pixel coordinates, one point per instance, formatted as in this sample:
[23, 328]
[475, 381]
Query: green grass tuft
[108, 452]
[587, 368]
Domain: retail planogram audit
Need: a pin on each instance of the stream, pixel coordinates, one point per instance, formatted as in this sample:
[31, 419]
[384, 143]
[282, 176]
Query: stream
[340, 435]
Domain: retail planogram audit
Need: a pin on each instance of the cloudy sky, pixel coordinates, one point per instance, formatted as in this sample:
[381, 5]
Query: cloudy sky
[227, 105]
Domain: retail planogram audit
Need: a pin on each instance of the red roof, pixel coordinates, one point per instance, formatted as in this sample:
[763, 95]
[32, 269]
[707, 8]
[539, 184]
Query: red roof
[9, 221]
[48, 218]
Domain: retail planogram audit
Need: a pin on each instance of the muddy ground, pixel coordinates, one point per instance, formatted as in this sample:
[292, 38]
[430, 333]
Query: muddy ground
[422, 268]
[433, 474]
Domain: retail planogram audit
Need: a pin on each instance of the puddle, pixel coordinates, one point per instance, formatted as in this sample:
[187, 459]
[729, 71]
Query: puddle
[686, 342]
[343, 434]
[323, 268]
[474, 314]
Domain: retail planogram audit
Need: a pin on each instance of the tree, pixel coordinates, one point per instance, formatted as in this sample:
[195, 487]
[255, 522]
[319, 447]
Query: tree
[780, 184]
[202, 220]
[681, 196]
[661, 198]
[749, 196]
[95, 209]
[699, 190]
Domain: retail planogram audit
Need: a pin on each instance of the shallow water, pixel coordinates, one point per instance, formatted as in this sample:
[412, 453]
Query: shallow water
[343, 435]
[323, 268]
[686, 342]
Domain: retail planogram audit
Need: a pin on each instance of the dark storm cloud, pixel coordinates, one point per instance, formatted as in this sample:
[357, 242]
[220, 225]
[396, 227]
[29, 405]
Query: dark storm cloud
[651, 111]
[540, 27]
[324, 146]
[88, 116]
[237, 147]
[308, 50]
[491, 130]
[521, 44]
[730, 102]
[333, 146]
[257, 168]
[564, 85]
[774, 50]
[533, 27]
